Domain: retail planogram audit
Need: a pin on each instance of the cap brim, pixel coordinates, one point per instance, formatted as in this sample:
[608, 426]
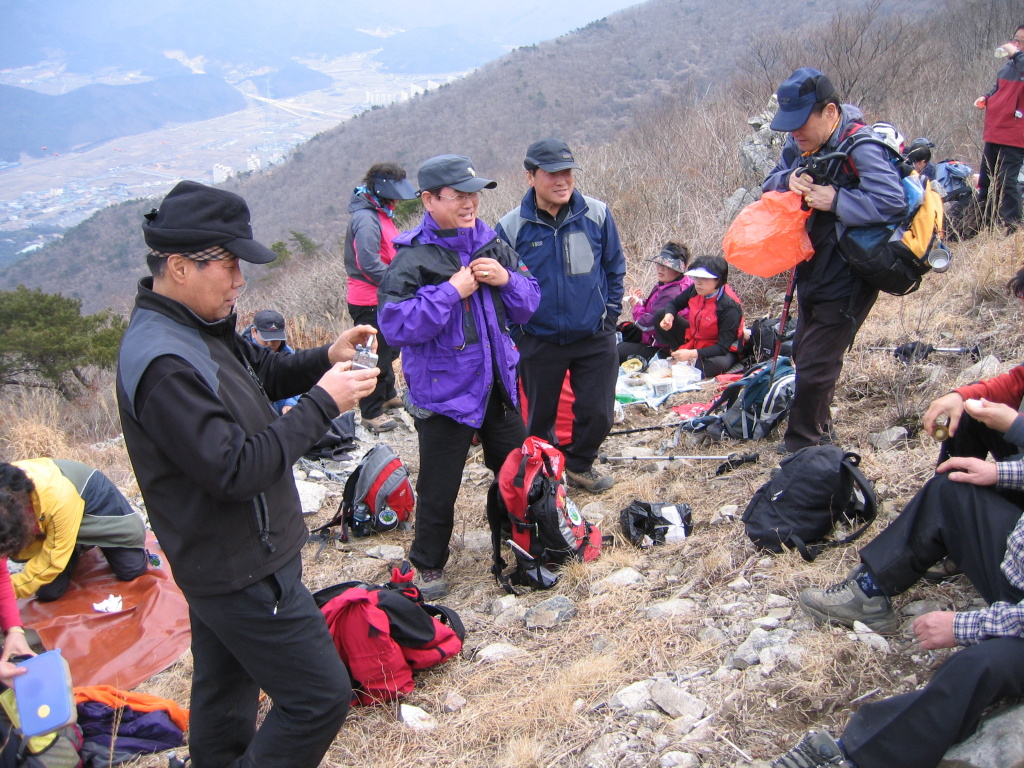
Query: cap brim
[473, 185]
[784, 122]
[272, 335]
[250, 251]
[395, 189]
[700, 272]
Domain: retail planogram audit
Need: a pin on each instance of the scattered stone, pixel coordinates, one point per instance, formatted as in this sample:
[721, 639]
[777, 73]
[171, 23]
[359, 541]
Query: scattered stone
[633, 697]
[681, 726]
[552, 612]
[713, 635]
[675, 702]
[748, 653]
[651, 718]
[667, 608]
[311, 496]
[729, 510]
[984, 369]
[415, 718]
[594, 512]
[634, 451]
[921, 607]
[317, 474]
[477, 541]
[477, 475]
[602, 643]
[739, 585]
[623, 577]
[386, 552]
[498, 651]
[501, 604]
[777, 601]
[452, 703]
[998, 743]
[513, 617]
[677, 759]
[606, 751]
[864, 634]
[889, 438]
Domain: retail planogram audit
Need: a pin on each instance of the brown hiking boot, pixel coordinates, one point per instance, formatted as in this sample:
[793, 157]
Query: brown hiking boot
[382, 423]
[591, 481]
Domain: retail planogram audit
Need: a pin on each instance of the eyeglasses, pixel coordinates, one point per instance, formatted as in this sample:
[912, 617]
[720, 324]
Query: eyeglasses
[462, 198]
[1018, 42]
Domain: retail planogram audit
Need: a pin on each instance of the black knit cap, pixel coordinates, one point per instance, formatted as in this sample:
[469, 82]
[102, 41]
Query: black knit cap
[194, 217]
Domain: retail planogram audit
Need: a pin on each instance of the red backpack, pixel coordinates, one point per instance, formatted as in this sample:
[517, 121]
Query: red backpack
[547, 529]
[377, 497]
[383, 633]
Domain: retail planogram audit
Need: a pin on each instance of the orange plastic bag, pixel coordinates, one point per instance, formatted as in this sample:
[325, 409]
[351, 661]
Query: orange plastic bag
[769, 236]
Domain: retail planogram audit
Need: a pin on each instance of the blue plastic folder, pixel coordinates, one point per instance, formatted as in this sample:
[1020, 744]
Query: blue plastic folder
[45, 700]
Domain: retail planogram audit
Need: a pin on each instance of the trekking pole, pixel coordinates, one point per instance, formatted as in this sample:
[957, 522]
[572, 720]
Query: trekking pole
[644, 429]
[731, 461]
[790, 290]
[918, 351]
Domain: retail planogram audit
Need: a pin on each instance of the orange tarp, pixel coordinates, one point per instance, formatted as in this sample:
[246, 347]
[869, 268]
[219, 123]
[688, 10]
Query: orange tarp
[119, 649]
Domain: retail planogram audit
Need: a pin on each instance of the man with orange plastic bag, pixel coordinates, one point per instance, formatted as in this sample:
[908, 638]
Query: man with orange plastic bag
[863, 190]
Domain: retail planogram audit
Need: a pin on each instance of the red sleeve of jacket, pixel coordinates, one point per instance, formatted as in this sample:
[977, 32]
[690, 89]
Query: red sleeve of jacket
[1007, 388]
[9, 614]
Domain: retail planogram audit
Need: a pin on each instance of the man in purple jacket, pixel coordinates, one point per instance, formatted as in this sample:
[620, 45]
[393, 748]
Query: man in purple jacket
[447, 301]
[864, 191]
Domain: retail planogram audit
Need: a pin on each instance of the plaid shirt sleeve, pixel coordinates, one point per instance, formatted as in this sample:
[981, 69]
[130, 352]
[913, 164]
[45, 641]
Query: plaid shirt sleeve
[1000, 619]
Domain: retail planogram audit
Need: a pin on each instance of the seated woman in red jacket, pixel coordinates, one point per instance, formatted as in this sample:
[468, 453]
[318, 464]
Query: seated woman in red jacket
[712, 334]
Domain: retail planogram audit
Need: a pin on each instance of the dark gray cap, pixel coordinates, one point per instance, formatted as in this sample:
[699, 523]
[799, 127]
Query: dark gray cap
[455, 171]
[551, 155]
[270, 324]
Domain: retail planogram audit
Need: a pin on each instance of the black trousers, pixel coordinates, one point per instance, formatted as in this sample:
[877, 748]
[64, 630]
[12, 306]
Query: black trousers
[970, 524]
[268, 636]
[372, 406]
[972, 438]
[1000, 166]
[594, 368]
[823, 333]
[444, 444]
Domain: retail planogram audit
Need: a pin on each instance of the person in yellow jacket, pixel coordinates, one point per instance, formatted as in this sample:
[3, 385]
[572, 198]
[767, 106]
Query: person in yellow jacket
[53, 510]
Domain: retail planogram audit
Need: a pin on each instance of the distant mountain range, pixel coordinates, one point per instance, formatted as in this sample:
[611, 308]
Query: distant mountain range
[38, 124]
[583, 87]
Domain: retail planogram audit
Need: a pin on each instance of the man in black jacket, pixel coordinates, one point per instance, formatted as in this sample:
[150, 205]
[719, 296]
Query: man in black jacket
[213, 461]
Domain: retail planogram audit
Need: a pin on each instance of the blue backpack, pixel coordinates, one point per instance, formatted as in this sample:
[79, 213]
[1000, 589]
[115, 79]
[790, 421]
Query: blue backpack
[751, 407]
[955, 178]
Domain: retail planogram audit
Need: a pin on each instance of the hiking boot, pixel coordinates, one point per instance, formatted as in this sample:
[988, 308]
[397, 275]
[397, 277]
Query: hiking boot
[591, 480]
[845, 603]
[393, 403]
[431, 583]
[815, 750]
[382, 423]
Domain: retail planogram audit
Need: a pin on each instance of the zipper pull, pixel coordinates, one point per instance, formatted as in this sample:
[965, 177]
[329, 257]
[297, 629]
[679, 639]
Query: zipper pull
[275, 610]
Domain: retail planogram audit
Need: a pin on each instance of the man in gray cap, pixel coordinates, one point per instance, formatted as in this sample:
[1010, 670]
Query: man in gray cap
[862, 192]
[213, 461]
[447, 300]
[569, 242]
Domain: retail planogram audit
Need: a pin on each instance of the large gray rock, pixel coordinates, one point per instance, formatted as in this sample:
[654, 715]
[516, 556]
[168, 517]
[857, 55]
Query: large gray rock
[998, 743]
[633, 697]
[606, 751]
[550, 613]
[676, 702]
[311, 496]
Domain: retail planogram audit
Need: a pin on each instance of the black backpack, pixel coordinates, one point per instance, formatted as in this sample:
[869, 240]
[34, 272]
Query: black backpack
[814, 489]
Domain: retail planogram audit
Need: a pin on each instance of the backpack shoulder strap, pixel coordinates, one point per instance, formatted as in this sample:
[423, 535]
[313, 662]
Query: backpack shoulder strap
[850, 464]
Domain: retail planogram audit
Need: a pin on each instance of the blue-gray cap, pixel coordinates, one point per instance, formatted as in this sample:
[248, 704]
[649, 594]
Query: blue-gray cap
[393, 189]
[455, 171]
[797, 97]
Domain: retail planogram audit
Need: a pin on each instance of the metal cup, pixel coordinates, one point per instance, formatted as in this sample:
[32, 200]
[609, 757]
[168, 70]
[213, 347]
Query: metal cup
[938, 259]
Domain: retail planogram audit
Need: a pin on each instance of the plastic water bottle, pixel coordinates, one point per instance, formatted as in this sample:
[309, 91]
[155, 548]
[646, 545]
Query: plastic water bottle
[1001, 52]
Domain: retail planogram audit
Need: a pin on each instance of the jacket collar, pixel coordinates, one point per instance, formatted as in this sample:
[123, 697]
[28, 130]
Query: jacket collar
[149, 299]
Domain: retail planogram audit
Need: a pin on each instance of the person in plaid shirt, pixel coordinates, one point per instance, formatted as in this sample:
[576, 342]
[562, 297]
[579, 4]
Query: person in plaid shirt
[970, 512]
